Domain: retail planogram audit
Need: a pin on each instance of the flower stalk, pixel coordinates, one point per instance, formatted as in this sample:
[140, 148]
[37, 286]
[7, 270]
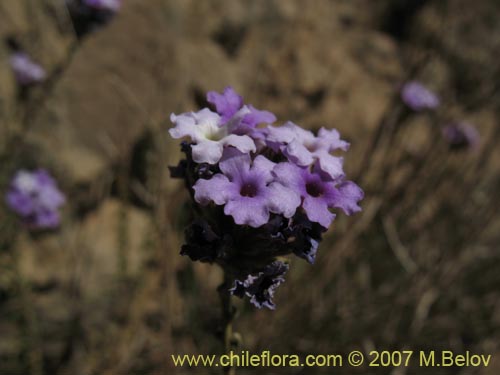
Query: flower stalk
[228, 313]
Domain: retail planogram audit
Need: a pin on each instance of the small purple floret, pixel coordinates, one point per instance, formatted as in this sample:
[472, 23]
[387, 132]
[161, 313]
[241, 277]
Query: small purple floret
[26, 71]
[230, 102]
[461, 135]
[418, 97]
[227, 103]
[260, 288]
[36, 198]
[303, 148]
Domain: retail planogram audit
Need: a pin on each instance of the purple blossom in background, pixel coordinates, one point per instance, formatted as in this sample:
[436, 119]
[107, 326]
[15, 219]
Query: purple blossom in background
[36, 198]
[26, 71]
[461, 135]
[108, 5]
[258, 193]
[418, 97]
[260, 288]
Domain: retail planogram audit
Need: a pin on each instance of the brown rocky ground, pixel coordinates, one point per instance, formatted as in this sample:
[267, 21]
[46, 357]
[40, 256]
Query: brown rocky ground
[108, 292]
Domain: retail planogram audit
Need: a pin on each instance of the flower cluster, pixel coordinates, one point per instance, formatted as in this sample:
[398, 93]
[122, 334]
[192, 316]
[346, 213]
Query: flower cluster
[35, 197]
[259, 191]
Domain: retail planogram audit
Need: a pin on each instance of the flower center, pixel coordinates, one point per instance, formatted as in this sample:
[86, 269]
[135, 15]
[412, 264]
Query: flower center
[248, 190]
[215, 135]
[213, 132]
[314, 190]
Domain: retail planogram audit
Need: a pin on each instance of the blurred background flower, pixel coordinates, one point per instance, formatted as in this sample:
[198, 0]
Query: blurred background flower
[461, 135]
[418, 97]
[26, 71]
[35, 197]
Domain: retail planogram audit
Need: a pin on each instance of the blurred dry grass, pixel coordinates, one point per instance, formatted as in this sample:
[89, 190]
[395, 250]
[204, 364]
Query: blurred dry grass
[108, 292]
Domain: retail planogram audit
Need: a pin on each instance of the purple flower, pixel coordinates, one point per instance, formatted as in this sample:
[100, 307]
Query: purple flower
[303, 148]
[230, 102]
[247, 190]
[260, 288]
[108, 5]
[259, 192]
[319, 194]
[204, 128]
[26, 71]
[36, 198]
[461, 135]
[418, 97]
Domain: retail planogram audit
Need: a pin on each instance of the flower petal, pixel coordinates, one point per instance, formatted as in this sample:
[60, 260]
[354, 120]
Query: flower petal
[331, 165]
[291, 176]
[317, 210]
[263, 167]
[206, 116]
[303, 135]
[242, 142]
[262, 286]
[207, 151]
[256, 117]
[199, 126]
[282, 134]
[282, 200]
[250, 211]
[185, 126]
[346, 197]
[235, 164]
[297, 153]
[227, 103]
[218, 190]
[331, 139]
